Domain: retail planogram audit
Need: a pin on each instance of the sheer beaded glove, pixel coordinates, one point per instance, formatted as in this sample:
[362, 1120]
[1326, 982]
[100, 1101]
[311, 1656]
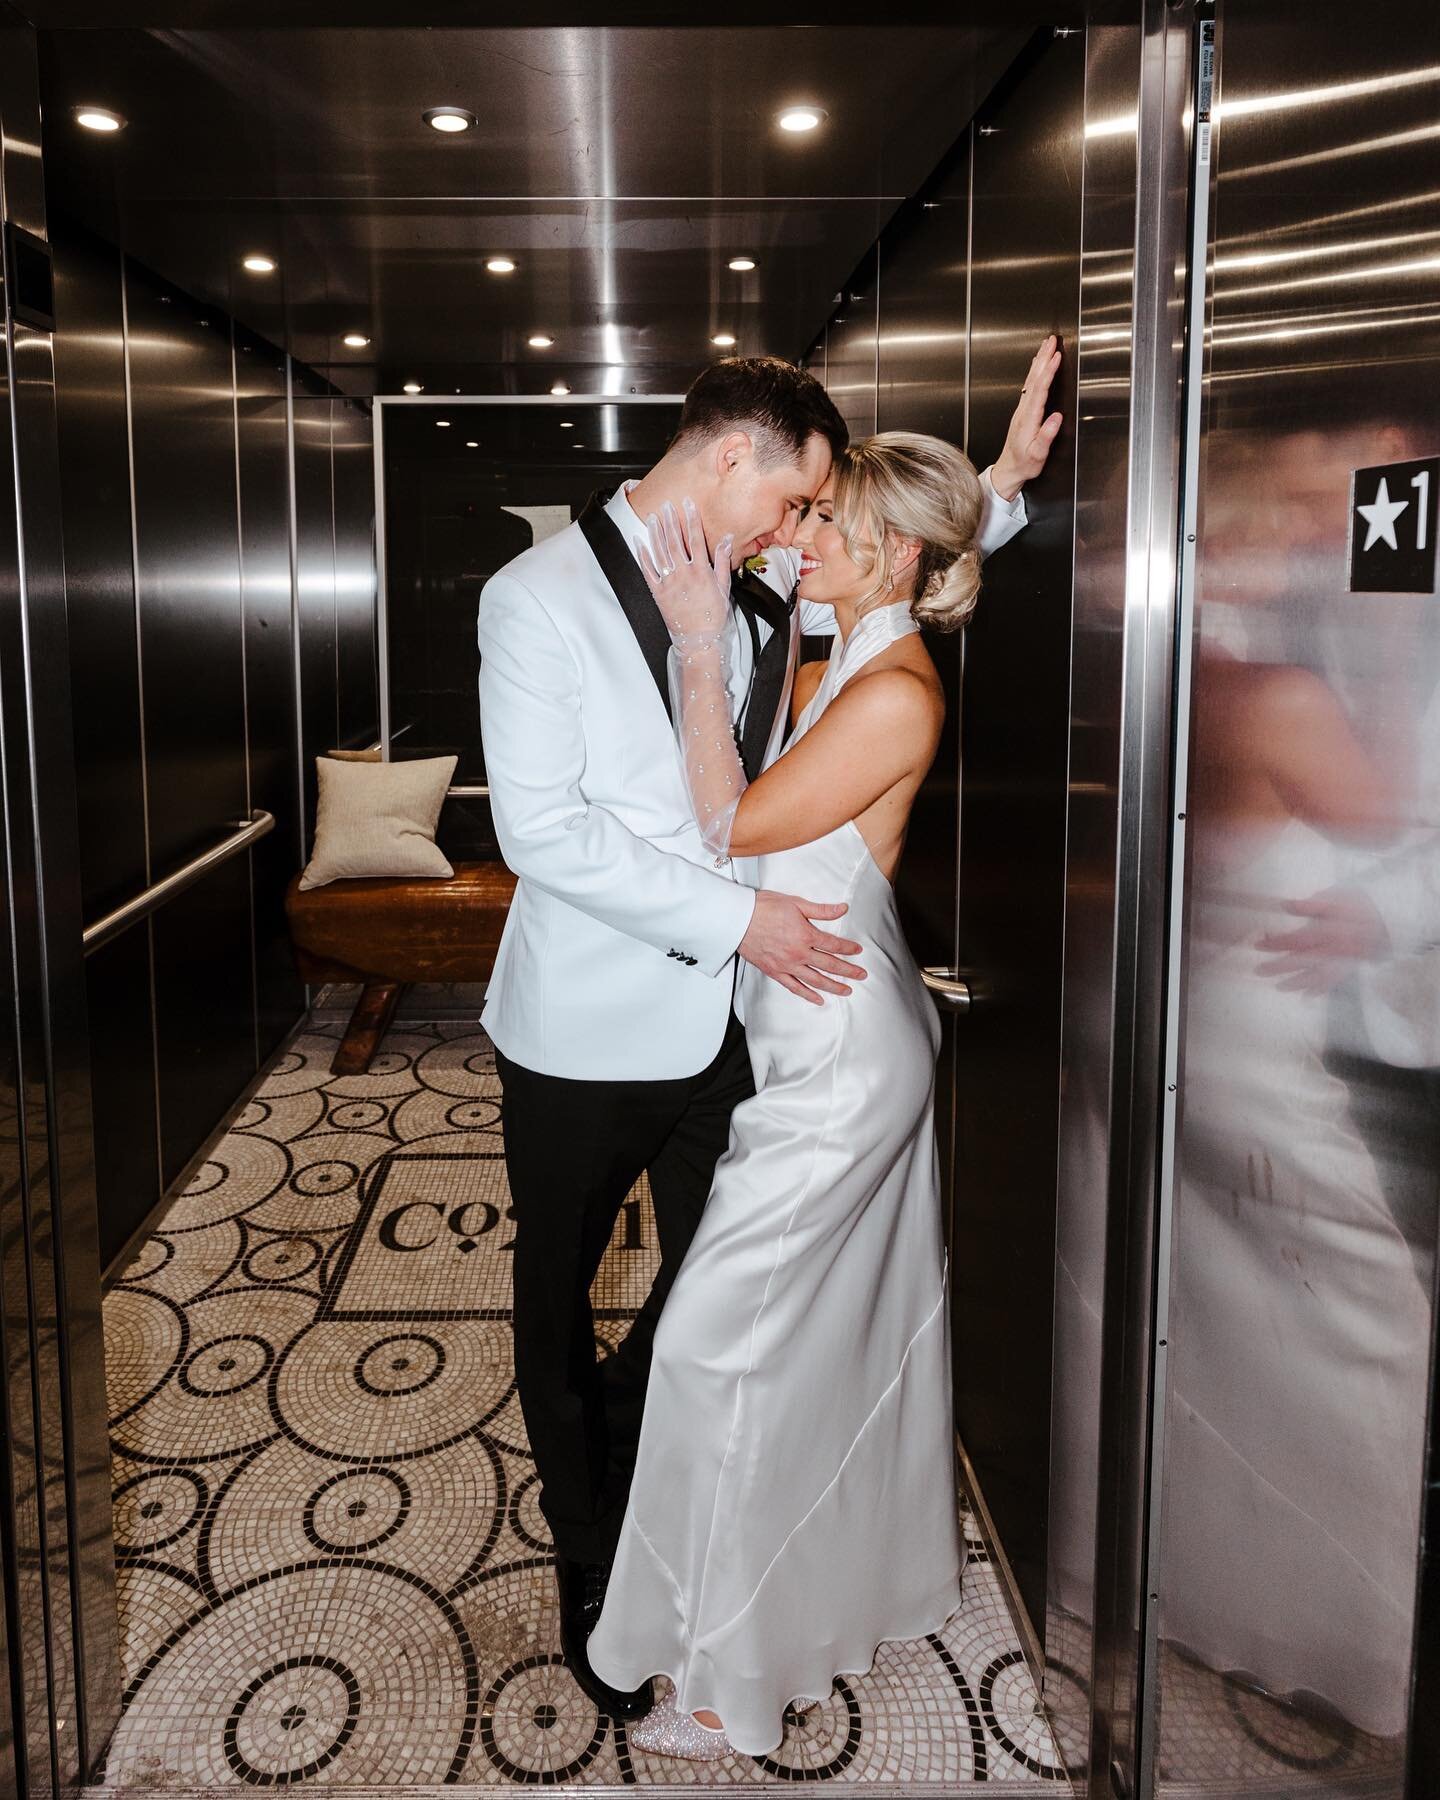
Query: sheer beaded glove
[692, 592]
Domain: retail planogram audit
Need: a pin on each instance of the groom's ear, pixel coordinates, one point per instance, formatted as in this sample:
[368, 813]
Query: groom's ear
[733, 452]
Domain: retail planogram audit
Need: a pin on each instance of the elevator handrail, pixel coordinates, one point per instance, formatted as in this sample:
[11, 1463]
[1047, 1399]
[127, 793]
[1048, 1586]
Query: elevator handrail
[154, 896]
[949, 987]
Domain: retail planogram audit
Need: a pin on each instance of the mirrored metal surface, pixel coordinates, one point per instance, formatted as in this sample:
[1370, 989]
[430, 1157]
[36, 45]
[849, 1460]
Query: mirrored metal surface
[1303, 1261]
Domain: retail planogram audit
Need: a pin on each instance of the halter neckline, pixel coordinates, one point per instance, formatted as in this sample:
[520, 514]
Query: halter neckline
[871, 633]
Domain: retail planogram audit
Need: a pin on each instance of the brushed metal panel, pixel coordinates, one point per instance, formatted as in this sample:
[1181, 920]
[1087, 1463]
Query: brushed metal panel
[99, 571]
[71, 1707]
[851, 374]
[204, 1009]
[314, 527]
[122, 1063]
[187, 567]
[1025, 240]
[921, 366]
[263, 484]
[355, 577]
[1305, 1178]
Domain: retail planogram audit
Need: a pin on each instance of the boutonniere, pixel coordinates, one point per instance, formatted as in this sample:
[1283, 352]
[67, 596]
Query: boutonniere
[756, 565]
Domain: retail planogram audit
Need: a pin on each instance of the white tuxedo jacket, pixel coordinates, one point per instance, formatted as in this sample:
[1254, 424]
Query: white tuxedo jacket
[617, 961]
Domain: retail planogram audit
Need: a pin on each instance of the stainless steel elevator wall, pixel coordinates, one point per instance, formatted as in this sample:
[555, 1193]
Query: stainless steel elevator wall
[1302, 1272]
[179, 507]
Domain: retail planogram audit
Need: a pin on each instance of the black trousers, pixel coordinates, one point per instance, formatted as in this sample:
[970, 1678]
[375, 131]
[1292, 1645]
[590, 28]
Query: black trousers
[573, 1151]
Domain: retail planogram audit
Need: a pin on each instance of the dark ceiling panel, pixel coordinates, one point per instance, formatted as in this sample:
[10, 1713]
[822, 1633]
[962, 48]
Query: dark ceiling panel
[201, 15]
[620, 168]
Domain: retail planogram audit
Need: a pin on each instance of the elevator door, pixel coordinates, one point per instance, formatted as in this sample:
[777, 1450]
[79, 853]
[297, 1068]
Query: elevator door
[1024, 283]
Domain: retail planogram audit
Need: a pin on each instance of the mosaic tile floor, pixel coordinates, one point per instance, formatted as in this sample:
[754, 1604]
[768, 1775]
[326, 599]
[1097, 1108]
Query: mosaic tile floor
[332, 1566]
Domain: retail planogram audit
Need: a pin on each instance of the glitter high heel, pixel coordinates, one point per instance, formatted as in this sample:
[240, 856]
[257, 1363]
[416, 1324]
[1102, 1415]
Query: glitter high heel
[666, 1731]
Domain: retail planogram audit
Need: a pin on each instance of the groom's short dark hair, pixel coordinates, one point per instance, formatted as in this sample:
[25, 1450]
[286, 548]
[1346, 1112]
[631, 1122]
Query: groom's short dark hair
[782, 406]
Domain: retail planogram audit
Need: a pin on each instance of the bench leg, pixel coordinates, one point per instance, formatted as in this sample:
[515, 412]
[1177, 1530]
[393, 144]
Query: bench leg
[368, 1024]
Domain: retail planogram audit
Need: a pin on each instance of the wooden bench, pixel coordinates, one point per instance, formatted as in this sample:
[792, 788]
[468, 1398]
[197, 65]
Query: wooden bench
[387, 933]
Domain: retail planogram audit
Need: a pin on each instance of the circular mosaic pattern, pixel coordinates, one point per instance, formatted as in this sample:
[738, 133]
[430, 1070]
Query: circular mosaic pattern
[1013, 1715]
[226, 1365]
[243, 1171]
[282, 1259]
[463, 1066]
[320, 1193]
[153, 1510]
[359, 1115]
[292, 1720]
[282, 1116]
[340, 1388]
[302, 1069]
[358, 1509]
[821, 1744]
[391, 1071]
[526, 1519]
[401, 1363]
[153, 1255]
[473, 1115]
[215, 1412]
[304, 1664]
[145, 1338]
[531, 1727]
[435, 1516]
[333, 1555]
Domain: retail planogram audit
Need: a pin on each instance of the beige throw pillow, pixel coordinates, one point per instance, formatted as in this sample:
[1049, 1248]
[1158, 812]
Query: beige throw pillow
[378, 819]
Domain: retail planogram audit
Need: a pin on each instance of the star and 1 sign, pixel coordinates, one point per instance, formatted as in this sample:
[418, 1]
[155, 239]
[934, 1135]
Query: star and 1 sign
[1392, 527]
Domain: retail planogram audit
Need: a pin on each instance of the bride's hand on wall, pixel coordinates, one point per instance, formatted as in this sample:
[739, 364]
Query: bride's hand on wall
[691, 588]
[1032, 430]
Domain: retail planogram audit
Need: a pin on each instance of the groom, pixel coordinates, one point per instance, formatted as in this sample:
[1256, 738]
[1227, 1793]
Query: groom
[610, 1006]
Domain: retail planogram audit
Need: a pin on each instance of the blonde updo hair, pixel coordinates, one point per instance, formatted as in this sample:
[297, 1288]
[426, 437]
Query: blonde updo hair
[922, 489]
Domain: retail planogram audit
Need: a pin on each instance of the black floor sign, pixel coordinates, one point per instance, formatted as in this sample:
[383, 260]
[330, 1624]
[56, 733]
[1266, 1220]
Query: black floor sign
[1392, 527]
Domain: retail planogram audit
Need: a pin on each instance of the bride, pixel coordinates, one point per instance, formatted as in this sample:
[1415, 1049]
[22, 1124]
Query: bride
[798, 1410]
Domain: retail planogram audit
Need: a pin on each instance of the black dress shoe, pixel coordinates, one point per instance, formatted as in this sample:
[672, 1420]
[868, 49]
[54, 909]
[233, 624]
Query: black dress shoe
[582, 1594]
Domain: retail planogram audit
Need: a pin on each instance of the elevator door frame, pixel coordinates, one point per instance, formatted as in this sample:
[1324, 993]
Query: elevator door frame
[382, 403]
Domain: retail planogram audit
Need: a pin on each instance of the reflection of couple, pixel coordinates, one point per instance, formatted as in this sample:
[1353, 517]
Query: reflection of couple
[1299, 1335]
[797, 1416]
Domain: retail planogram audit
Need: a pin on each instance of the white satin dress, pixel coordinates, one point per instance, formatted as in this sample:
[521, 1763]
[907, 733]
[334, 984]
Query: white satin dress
[794, 1499]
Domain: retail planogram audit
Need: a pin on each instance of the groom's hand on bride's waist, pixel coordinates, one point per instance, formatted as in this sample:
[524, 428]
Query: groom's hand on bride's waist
[786, 943]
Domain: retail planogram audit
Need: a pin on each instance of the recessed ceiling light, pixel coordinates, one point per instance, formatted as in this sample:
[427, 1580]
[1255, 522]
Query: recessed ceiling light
[98, 118]
[449, 118]
[567, 424]
[500, 265]
[471, 444]
[723, 339]
[559, 388]
[742, 263]
[442, 424]
[355, 340]
[800, 118]
[260, 265]
[577, 446]
[413, 387]
[539, 341]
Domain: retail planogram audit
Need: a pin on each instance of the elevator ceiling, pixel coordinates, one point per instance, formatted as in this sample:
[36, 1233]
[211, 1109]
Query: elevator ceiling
[621, 169]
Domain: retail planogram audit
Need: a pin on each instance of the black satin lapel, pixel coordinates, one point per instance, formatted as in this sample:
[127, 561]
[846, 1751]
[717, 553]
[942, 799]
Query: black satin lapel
[622, 572]
[765, 694]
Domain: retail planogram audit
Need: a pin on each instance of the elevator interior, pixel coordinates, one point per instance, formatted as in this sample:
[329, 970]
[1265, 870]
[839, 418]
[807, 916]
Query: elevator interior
[270, 549]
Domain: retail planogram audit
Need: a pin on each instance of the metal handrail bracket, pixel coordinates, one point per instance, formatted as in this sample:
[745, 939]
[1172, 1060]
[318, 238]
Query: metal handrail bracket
[123, 917]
